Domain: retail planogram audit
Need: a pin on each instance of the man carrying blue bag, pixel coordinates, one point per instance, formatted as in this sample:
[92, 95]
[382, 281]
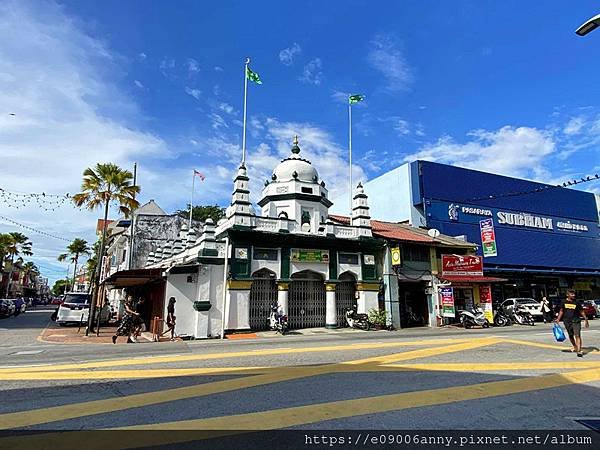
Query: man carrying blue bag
[571, 312]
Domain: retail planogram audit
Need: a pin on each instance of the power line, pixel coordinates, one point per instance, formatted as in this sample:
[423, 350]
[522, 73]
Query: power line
[43, 233]
[544, 188]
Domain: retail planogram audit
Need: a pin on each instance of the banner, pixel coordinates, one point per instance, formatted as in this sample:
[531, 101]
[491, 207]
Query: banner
[462, 265]
[302, 255]
[488, 237]
[447, 296]
[485, 301]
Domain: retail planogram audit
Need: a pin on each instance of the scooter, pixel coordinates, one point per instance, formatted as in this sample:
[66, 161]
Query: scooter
[501, 318]
[522, 317]
[355, 320]
[277, 320]
[472, 317]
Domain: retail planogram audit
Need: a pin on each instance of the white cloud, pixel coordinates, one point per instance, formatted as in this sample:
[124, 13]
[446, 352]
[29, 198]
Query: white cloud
[226, 107]
[61, 84]
[142, 56]
[192, 66]
[219, 69]
[312, 73]
[519, 152]
[218, 121]
[574, 126]
[340, 97]
[386, 57]
[166, 67]
[196, 93]
[286, 56]
[402, 127]
[138, 84]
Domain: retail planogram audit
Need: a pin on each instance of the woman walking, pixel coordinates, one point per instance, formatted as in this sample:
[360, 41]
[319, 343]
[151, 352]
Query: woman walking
[547, 310]
[127, 327]
[171, 318]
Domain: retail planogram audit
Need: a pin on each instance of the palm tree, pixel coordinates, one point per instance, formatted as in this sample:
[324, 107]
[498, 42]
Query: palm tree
[102, 186]
[18, 244]
[29, 269]
[75, 249]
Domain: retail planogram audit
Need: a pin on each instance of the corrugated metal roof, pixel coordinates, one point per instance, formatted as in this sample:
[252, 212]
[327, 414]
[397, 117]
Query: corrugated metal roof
[407, 233]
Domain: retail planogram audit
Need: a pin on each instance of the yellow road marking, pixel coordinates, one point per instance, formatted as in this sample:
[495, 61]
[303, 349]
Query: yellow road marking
[64, 412]
[211, 356]
[131, 374]
[565, 346]
[427, 352]
[478, 367]
[301, 415]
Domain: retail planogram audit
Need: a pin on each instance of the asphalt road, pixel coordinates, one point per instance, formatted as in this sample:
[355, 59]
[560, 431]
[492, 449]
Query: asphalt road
[421, 379]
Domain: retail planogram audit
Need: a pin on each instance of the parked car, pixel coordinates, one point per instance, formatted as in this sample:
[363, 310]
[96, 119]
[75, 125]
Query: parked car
[589, 308]
[20, 305]
[7, 308]
[597, 306]
[56, 301]
[76, 308]
[530, 305]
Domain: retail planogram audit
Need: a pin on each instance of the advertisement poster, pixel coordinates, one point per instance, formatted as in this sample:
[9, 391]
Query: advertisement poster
[485, 301]
[488, 237]
[447, 295]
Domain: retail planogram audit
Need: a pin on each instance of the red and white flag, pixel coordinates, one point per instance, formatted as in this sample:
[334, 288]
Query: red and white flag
[199, 174]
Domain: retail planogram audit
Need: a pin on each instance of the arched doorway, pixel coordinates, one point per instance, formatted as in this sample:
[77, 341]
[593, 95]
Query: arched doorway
[306, 301]
[263, 293]
[345, 296]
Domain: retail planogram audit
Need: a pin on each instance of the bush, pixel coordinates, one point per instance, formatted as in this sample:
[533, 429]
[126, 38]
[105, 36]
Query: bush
[378, 318]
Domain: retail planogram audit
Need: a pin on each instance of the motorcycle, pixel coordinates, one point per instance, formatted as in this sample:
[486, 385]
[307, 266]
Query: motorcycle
[472, 317]
[355, 320]
[521, 316]
[277, 320]
[501, 318]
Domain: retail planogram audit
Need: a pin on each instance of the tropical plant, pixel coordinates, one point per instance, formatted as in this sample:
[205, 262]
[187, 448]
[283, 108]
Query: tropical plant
[102, 186]
[30, 270]
[18, 244]
[60, 287]
[378, 317]
[75, 249]
[201, 213]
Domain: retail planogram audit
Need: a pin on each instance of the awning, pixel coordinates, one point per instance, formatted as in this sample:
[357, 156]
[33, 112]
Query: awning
[134, 277]
[472, 279]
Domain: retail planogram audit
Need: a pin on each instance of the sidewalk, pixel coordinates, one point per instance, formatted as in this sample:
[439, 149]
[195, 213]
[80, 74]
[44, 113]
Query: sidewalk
[69, 335]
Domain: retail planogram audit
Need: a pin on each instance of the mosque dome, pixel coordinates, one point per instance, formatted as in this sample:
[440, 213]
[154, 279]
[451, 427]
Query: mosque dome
[294, 167]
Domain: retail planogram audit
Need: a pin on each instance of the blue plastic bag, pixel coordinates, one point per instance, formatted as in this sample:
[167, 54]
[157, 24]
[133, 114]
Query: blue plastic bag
[559, 334]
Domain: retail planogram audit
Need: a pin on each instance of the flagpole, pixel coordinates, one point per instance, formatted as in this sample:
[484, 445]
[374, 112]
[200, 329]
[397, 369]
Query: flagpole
[245, 98]
[192, 198]
[350, 152]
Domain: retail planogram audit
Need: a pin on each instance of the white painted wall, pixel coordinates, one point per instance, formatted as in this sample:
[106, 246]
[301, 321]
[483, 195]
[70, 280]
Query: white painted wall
[239, 310]
[322, 268]
[185, 294]
[367, 301]
[274, 266]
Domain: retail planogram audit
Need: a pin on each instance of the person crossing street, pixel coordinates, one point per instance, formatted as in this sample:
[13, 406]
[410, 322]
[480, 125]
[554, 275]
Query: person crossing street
[571, 314]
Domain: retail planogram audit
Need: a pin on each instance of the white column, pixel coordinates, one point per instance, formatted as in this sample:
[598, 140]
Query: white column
[282, 298]
[330, 309]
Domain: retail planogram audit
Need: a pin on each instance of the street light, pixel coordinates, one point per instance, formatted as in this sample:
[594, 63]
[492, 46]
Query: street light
[589, 25]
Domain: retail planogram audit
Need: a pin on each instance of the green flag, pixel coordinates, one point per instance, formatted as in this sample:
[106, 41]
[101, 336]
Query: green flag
[355, 98]
[253, 76]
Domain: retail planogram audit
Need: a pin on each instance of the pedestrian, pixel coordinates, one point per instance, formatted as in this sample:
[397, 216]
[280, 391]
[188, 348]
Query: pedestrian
[127, 322]
[546, 310]
[571, 313]
[171, 318]
[140, 308]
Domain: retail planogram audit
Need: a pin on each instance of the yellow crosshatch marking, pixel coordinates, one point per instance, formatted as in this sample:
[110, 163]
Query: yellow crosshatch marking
[249, 377]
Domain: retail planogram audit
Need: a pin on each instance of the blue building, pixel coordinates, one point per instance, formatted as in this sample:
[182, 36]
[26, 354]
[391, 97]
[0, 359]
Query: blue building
[547, 238]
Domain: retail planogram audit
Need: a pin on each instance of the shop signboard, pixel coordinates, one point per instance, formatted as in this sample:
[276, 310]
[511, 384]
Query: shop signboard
[462, 265]
[485, 301]
[488, 237]
[447, 296]
[303, 255]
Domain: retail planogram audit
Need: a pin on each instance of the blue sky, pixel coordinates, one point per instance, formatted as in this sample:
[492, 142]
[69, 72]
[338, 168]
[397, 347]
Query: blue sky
[505, 87]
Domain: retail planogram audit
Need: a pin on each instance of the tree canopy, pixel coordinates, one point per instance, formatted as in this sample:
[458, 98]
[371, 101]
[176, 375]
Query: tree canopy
[201, 213]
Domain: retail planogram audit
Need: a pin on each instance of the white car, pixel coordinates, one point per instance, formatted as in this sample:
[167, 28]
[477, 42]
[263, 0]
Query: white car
[530, 305]
[76, 309]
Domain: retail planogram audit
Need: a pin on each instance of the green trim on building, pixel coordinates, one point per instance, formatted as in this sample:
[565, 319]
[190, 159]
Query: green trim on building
[285, 262]
[333, 263]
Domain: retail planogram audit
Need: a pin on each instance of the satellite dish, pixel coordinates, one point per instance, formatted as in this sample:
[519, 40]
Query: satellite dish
[433, 233]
